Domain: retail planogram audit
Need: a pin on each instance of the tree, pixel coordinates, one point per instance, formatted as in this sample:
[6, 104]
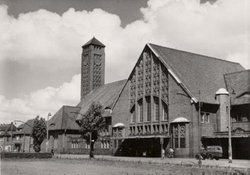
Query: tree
[91, 123]
[38, 133]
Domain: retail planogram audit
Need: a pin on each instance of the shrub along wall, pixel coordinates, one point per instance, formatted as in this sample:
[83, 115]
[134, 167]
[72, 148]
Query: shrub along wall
[9, 155]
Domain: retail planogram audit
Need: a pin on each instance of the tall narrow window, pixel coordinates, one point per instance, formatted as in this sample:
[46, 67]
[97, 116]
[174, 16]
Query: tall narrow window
[207, 118]
[148, 104]
[175, 136]
[179, 135]
[140, 111]
[132, 113]
[164, 111]
[202, 117]
[156, 109]
[182, 135]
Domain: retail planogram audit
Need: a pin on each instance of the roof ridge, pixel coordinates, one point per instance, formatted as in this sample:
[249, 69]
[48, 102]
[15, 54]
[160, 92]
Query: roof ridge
[210, 57]
[247, 70]
[115, 81]
[98, 89]
[71, 106]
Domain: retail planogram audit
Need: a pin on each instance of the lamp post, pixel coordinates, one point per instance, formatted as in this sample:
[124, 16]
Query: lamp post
[230, 152]
[47, 143]
[11, 141]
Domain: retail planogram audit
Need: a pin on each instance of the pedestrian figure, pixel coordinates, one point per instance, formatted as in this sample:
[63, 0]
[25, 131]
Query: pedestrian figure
[163, 153]
[199, 161]
[52, 152]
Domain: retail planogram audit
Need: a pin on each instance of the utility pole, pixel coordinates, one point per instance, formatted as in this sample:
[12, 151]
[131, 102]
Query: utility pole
[11, 141]
[230, 159]
[199, 120]
[23, 141]
[47, 142]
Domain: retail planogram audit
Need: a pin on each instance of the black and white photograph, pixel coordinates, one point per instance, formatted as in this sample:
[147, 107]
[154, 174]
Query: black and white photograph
[125, 87]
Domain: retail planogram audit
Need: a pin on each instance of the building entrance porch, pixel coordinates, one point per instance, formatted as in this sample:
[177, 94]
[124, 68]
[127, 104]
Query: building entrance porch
[142, 147]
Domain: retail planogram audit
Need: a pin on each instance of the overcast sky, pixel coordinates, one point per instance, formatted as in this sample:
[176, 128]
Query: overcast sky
[40, 43]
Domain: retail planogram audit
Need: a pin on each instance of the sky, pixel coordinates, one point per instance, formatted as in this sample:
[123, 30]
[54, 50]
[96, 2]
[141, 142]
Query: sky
[40, 43]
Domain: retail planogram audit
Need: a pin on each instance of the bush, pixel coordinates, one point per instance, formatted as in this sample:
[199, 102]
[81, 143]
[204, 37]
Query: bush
[9, 155]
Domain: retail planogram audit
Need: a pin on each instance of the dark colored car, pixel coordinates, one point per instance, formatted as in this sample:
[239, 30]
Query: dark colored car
[211, 152]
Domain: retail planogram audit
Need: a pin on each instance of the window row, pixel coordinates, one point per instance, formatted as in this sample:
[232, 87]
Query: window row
[75, 144]
[152, 111]
[205, 117]
[104, 133]
[105, 144]
[147, 129]
[241, 113]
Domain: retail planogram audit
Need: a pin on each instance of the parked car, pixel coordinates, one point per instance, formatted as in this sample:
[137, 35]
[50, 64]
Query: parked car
[211, 152]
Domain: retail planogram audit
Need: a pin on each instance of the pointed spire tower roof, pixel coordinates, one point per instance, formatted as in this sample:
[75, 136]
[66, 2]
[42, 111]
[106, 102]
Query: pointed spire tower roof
[94, 41]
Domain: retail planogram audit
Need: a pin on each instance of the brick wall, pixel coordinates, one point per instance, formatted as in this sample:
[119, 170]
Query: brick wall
[180, 106]
[121, 112]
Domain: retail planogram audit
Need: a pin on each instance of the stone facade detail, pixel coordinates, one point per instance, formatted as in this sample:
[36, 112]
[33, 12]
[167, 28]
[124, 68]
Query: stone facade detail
[148, 89]
[93, 66]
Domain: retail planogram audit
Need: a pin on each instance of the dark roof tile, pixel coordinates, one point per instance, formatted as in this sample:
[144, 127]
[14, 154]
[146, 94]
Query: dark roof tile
[64, 118]
[198, 72]
[26, 127]
[238, 84]
[106, 95]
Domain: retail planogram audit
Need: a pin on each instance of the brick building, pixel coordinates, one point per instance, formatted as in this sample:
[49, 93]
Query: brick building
[17, 138]
[171, 98]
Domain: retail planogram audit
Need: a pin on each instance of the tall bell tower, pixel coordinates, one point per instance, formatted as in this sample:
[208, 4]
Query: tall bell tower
[93, 66]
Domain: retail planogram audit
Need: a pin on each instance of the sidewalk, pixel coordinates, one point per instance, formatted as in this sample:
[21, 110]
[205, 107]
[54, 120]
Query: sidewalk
[222, 163]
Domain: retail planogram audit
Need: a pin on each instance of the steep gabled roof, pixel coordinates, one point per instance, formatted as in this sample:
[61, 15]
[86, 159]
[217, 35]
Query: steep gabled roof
[64, 118]
[5, 129]
[25, 127]
[106, 95]
[94, 41]
[238, 84]
[197, 72]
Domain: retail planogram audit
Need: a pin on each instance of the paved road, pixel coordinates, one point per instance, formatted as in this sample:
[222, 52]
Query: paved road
[223, 163]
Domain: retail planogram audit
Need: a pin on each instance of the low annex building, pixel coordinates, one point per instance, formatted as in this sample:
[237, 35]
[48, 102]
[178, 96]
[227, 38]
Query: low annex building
[171, 98]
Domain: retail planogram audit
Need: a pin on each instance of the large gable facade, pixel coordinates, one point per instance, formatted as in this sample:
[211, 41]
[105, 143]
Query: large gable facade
[168, 101]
